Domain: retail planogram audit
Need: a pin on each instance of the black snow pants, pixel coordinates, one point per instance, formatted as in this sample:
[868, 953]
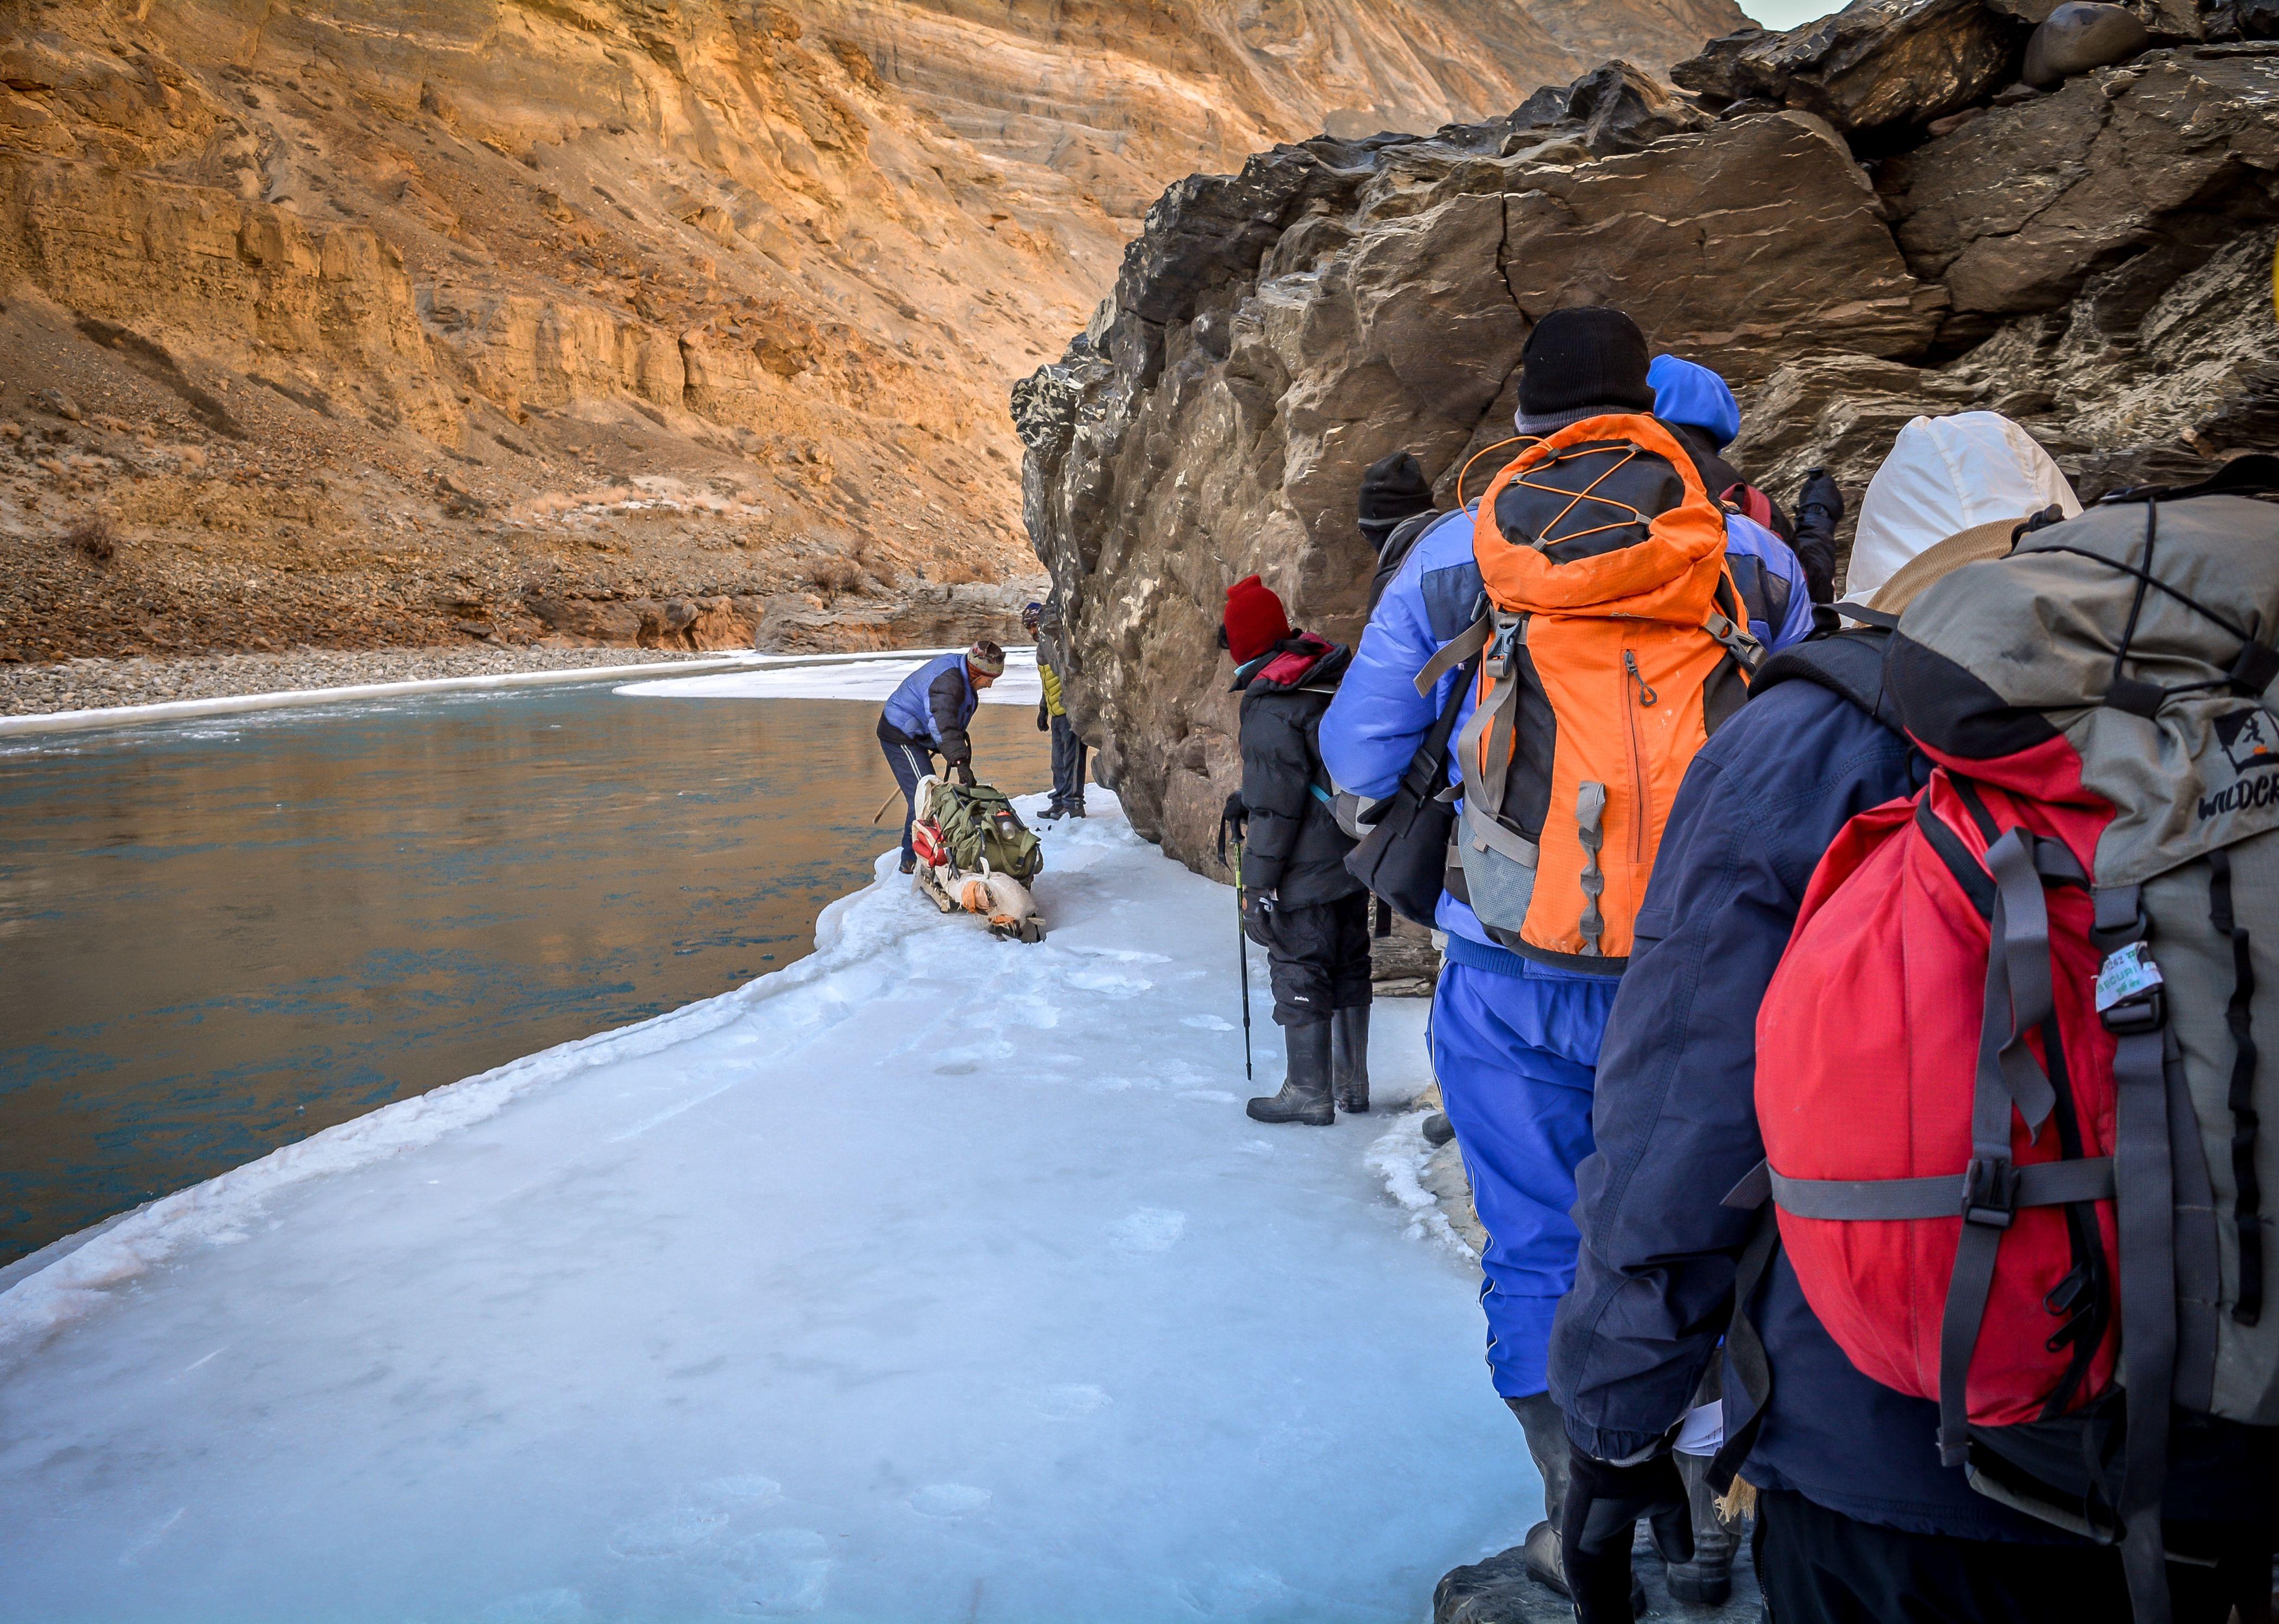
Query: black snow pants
[1818, 1566]
[1068, 766]
[1318, 958]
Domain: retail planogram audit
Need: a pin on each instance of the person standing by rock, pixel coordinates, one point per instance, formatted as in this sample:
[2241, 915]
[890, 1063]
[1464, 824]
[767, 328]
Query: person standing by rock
[927, 716]
[1052, 713]
[1514, 1038]
[1298, 901]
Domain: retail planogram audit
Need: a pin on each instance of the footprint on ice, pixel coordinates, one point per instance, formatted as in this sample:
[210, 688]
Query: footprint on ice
[666, 1534]
[557, 1606]
[747, 1489]
[1233, 1592]
[1207, 1024]
[780, 1571]
[1071, 1401]
[949, 1500]
[1151, 1228]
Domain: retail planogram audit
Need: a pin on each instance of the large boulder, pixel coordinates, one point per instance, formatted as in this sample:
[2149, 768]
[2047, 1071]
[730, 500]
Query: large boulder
[1275, 333]
[2095, 263]
[1874, 63]
[2152, 165]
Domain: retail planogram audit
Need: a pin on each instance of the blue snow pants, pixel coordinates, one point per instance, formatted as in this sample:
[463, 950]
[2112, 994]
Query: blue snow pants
[1516, 1054]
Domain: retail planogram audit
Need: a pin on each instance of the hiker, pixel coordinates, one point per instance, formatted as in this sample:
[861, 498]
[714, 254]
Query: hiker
[1857, 1518]
[1394, 509]
[1515, 1034]
[1698, 405]
[927, 716]
[1052, 715]
[1298, 902]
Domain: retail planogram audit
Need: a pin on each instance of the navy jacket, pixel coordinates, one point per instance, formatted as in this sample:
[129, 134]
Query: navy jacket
[1674, 1119]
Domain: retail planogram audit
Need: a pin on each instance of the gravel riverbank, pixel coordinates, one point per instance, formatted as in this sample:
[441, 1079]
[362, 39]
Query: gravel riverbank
[82, 685]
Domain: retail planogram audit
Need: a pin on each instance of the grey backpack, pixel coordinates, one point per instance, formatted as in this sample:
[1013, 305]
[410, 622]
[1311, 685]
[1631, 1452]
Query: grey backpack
[2125, 662]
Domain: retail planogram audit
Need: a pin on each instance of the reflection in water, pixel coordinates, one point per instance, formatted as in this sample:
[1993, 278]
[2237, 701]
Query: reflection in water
[218, 937]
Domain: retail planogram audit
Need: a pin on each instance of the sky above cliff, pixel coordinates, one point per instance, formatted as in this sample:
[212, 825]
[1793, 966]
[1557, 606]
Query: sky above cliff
[1787, 14]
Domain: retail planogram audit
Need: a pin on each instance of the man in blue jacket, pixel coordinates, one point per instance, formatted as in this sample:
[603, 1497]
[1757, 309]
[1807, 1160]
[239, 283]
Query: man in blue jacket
[927, 716]
[1514, 1043]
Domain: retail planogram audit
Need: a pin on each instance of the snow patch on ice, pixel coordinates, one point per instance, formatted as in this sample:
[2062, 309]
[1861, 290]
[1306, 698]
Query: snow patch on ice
[1071, 1400]
[950, 1500]
[668, 1533]
[1398, 1158]
[1151, 1228]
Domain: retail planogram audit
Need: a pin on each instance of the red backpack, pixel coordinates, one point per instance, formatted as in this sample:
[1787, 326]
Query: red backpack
[2008, 1070]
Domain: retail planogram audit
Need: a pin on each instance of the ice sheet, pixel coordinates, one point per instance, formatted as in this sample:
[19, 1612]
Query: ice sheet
[871, 678]
[931, 1277]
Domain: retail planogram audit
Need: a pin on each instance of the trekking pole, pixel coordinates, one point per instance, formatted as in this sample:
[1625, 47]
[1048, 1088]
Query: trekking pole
[1242, 957]
[892, 798]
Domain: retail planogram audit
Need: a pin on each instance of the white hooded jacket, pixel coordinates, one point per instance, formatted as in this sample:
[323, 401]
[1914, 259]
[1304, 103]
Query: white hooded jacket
[1945, 475]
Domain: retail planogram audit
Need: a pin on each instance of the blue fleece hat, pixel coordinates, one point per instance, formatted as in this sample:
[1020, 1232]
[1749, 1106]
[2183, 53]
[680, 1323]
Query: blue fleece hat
[1685, 393]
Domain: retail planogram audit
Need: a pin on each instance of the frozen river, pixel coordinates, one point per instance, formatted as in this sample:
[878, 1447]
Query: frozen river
[932, 1277]
[220, 935]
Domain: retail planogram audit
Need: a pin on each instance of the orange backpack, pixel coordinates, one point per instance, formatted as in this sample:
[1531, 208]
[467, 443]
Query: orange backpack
[1614, 644]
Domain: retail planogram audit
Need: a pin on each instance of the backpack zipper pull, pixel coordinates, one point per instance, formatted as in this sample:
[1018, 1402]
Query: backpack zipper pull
[1647, 696]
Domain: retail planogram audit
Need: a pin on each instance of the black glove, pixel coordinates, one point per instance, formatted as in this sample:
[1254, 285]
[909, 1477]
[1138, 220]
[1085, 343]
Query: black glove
[1604, 1503]
[1258, 916]
[1817, 511]
[1822, 493]
[1235, 820]
[1044, 718]
[964, 771]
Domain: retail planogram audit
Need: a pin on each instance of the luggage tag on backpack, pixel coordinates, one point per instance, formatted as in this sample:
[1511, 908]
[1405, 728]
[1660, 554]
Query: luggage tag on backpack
[2125, 973]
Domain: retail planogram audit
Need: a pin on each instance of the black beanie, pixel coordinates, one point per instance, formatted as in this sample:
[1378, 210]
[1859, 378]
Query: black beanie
[1394, 487]
[1582, 363]
[1393, 490]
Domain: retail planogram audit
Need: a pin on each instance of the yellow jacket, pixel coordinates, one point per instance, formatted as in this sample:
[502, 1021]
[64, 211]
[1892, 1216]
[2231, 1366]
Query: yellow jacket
[1051, 678]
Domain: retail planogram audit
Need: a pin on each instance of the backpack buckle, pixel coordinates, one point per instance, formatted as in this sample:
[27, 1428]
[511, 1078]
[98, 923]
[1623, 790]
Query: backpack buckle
[1989, 1191]
[2132, 1018]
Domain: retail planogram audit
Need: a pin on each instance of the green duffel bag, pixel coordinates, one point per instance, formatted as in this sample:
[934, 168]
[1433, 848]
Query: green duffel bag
[979, 827]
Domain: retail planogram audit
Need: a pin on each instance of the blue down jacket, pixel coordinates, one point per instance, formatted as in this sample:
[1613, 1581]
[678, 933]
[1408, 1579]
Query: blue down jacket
[1675, 1122]
[933, 705]
[1373, 727]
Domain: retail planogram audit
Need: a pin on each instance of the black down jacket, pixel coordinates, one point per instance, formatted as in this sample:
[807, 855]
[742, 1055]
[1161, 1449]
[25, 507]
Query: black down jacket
[1295, 846]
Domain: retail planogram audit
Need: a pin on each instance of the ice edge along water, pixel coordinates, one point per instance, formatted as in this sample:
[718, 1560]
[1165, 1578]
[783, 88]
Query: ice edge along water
[826, 1295]
[117, 1249]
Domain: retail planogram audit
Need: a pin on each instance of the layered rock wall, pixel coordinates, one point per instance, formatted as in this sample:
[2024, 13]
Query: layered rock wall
[1855, 223]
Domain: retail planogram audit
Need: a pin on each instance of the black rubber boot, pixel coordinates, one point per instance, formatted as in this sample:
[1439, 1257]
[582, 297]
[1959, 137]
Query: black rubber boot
[1349, 1058]
[1305, 1096]
[1546, 1442]
[1708, 1578]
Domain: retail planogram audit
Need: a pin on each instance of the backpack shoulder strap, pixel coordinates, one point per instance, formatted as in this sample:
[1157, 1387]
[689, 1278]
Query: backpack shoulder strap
[1850, 663]
[1395, 551]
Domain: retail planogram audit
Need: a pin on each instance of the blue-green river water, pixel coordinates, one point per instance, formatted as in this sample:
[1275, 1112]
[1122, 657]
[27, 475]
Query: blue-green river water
[219, 936]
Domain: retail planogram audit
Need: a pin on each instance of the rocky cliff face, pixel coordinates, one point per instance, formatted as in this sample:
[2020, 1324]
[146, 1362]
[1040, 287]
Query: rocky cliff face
[1855, 223]
[610, 319]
